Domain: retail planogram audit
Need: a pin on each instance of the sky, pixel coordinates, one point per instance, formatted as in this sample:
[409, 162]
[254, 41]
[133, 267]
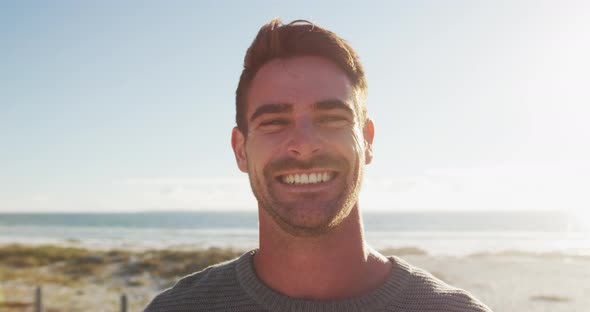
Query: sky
[125, 106]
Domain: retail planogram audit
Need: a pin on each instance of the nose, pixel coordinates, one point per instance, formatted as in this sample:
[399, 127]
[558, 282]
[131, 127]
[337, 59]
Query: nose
[305, 140]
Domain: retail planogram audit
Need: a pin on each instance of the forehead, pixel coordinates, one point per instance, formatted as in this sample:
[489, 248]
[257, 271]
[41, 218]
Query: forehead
[300, 82]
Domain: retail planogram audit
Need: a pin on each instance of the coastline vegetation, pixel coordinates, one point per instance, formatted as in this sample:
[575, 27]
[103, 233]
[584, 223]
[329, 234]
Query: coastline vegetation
[70, 276]
[68, 265]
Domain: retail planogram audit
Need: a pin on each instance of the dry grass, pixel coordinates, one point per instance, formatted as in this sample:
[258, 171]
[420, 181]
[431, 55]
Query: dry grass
[72, 276]
[69, 266]
[171, 264]
[550, 298]
[404, 251]
[24, 256]
[65, 265]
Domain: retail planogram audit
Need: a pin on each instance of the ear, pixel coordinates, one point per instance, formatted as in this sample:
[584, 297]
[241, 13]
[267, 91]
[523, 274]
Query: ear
[238, 144]
[368, 135]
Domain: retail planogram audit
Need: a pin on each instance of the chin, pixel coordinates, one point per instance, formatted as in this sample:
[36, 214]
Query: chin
[309, 222]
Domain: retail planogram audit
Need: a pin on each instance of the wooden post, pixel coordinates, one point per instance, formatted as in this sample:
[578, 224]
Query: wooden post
[123, 303]
[38, 300]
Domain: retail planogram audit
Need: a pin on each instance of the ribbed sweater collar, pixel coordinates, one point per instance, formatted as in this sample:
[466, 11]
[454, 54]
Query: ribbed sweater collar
[388, 293]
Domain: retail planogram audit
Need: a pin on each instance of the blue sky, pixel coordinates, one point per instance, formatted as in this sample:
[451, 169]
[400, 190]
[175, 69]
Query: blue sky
[111, 106]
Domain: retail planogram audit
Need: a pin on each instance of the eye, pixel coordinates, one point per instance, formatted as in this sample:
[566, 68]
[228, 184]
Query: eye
[273, 124]
[333, 120]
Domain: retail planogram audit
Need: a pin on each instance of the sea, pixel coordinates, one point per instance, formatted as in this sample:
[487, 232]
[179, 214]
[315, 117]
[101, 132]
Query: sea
[437, 233]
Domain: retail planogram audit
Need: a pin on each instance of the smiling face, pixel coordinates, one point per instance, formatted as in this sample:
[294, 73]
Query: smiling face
[305, 149]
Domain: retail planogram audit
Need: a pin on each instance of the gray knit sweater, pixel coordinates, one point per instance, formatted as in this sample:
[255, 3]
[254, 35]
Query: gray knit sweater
[234, 286]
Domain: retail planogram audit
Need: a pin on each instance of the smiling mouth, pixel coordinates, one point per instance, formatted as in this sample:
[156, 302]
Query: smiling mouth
[307, 178]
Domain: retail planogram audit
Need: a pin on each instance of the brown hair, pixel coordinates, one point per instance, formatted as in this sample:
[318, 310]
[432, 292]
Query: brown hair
[299, 38]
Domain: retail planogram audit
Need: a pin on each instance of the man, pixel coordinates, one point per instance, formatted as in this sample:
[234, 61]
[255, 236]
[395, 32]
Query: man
[304, 137]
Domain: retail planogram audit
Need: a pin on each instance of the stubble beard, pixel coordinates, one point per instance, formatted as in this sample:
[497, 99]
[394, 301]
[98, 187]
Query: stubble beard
[288, 216]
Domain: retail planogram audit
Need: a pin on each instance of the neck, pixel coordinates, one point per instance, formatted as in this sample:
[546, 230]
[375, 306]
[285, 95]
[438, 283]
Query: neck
[335, 265]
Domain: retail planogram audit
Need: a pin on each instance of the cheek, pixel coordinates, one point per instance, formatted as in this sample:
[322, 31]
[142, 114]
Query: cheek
[349, 142]
[260, 151]
[267, 146]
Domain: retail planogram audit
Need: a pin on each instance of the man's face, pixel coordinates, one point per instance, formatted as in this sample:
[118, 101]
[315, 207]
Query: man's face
[305, 149]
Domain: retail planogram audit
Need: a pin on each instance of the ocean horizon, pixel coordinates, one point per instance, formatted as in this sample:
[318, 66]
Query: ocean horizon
[437, 233]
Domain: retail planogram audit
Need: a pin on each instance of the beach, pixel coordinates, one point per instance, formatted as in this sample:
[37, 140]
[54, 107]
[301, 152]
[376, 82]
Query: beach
[514, 281]
[527, 261]
[79, 279]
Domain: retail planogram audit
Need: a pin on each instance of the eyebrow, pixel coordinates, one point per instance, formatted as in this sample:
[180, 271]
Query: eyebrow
[287, 108]
[333, 104]
[271, 109]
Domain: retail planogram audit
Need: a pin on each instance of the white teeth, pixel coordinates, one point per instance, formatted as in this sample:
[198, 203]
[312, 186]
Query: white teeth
[313, 178]
[303, 178]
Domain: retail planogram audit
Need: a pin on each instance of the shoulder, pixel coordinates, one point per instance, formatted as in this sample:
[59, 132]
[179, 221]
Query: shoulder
[429, 293]
[199, 289]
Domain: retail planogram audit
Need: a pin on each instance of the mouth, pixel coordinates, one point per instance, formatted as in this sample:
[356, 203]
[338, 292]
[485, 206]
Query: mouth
[307, 178]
